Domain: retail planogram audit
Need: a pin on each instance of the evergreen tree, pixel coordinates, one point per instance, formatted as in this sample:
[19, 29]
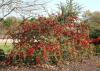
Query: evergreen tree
[70, 9]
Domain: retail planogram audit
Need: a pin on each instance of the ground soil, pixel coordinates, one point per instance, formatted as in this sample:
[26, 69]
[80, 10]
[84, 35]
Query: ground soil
[86, 65]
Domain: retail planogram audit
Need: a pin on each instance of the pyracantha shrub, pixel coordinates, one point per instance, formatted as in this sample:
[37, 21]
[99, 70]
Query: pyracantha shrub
[46, 40]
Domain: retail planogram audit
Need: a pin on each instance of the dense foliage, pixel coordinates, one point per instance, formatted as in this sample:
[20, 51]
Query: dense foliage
[92, 18]
[48, 41]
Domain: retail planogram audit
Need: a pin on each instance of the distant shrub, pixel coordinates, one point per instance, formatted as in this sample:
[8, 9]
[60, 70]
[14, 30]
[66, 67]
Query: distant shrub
[2, 55]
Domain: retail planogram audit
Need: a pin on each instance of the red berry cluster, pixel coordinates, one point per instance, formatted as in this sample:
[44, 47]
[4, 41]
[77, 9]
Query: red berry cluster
[35, 38]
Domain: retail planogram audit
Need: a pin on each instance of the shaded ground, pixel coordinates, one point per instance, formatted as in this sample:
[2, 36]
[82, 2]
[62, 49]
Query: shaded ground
[86, 65]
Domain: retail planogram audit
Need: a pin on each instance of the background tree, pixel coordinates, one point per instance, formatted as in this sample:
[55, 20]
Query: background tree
[93, 19]
[8, 6]
[19, 8]
[70, 9]
[22, 8]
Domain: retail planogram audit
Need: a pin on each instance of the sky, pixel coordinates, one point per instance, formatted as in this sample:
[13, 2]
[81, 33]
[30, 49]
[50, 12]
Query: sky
[52, 5]
[92, 5]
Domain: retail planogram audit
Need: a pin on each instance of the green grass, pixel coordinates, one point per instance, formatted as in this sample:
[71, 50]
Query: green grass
[6, 47]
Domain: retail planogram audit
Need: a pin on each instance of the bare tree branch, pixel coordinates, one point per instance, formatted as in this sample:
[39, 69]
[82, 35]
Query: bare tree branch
[9, 12]
[21, 7]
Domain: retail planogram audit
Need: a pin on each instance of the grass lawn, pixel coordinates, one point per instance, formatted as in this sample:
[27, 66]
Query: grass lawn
[6, 47]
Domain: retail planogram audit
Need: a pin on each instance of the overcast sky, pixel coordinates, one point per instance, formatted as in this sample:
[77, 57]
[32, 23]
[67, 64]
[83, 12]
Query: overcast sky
[92, 5]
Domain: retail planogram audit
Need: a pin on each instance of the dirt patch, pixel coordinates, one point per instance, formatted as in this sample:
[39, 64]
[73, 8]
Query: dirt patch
[86, 65]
